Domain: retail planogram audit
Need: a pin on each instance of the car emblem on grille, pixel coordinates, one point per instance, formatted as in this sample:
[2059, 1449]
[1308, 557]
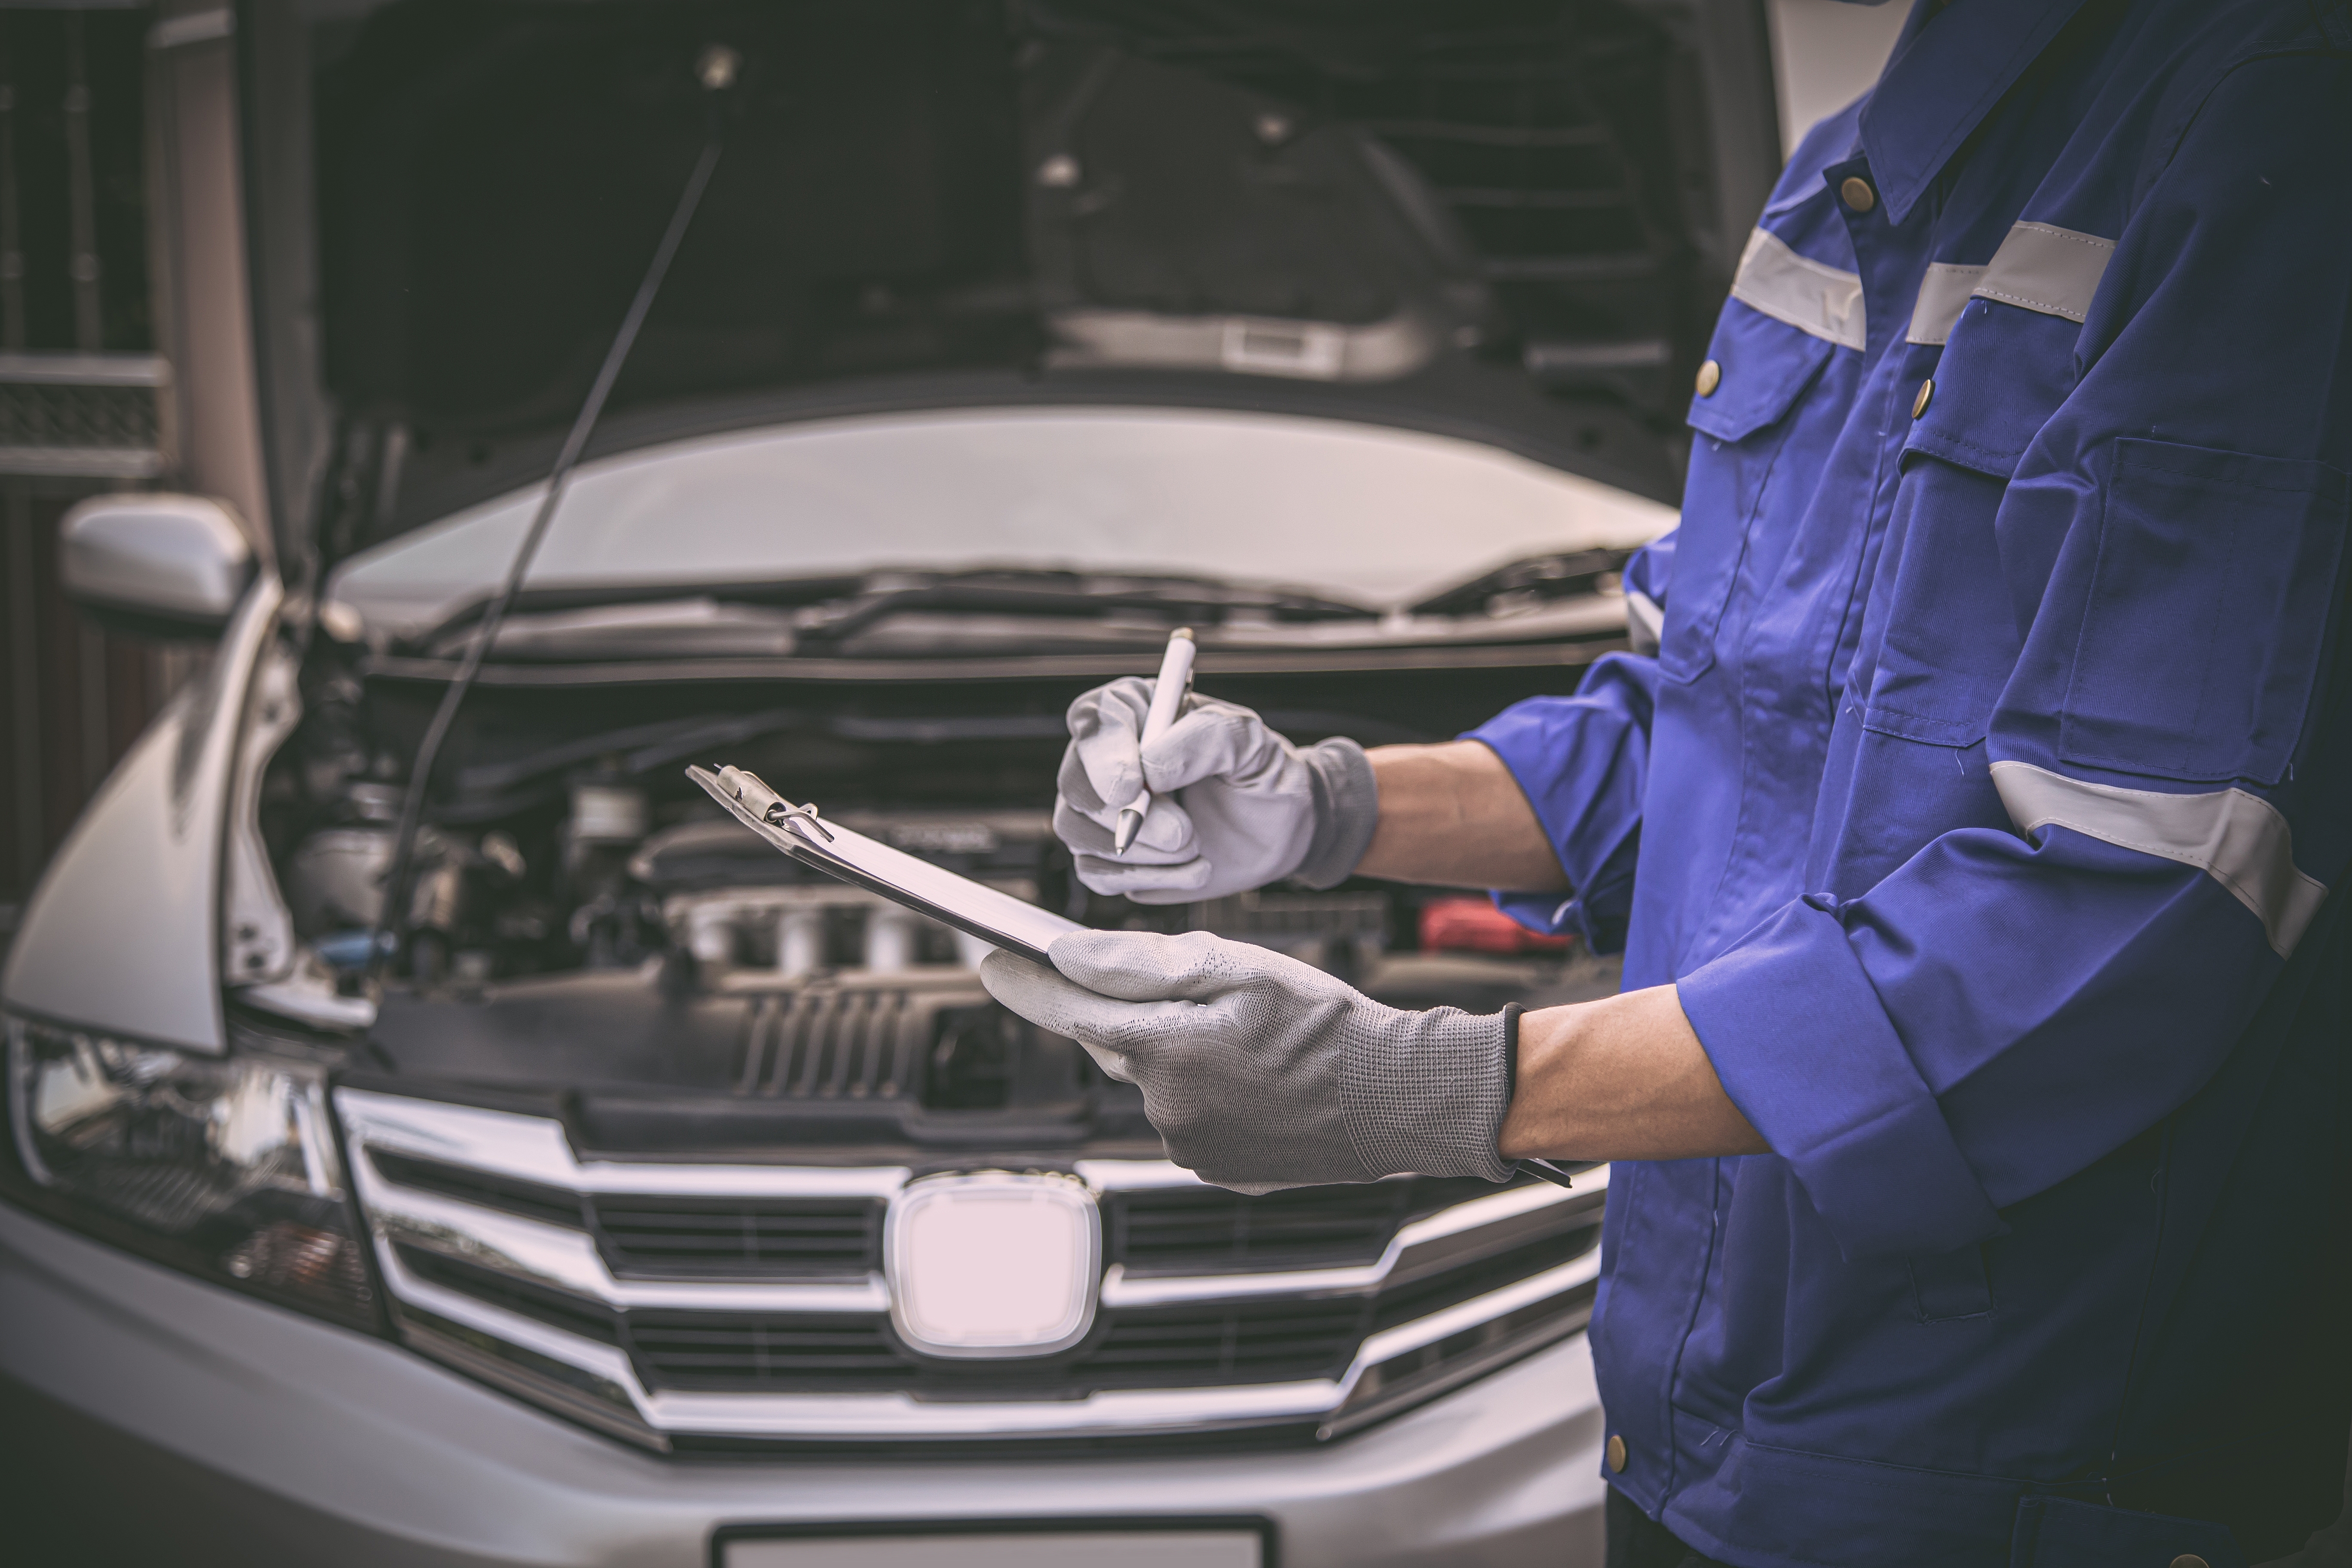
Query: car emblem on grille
[993, 1264]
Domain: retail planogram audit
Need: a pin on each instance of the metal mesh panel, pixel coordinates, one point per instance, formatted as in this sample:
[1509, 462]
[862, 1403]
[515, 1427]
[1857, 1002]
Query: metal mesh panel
[81, 415]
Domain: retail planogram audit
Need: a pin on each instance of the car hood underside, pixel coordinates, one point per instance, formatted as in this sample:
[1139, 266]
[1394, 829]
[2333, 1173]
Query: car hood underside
[1514, 226]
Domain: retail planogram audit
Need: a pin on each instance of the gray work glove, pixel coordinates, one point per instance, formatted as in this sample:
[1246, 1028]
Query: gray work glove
[1261, 1072]
[1236, 805]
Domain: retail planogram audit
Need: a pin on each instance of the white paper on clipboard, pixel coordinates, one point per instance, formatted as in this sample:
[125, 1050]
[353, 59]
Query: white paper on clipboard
[995, 917]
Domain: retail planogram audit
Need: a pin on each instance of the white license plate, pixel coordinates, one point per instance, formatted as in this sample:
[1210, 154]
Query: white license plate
[1010, 1548]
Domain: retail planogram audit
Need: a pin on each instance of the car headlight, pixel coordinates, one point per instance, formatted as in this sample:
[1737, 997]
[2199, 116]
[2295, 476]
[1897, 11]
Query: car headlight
[222, 1166]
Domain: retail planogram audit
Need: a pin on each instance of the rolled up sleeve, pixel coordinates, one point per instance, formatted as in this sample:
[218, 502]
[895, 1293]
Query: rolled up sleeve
[1805, 1049]
[1582, 762]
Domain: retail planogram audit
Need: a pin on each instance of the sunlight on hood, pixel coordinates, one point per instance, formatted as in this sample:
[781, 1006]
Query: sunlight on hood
[1362, 512]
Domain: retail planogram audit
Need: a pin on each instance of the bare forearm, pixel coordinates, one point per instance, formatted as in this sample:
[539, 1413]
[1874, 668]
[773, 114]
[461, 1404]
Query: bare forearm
[1621, 1079]
[1453, 815]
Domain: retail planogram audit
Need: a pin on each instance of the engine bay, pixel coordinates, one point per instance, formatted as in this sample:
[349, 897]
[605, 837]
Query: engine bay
[584, 929]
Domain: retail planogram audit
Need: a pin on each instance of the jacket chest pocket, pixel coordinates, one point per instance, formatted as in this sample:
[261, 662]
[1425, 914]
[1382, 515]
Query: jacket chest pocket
[1744, 426]
[1947, 603]
[2205, 613]
[1948, 638]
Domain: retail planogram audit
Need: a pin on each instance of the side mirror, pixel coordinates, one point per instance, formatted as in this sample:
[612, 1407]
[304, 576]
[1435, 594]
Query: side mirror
[155, 566]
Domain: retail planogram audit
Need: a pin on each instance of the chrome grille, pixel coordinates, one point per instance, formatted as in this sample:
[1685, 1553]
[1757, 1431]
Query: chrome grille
[533, 1200]
[664, 1301]
[556, 1309]
[1203, 1229]
[705, 1351]
[1261, 1342]
[735, 1238]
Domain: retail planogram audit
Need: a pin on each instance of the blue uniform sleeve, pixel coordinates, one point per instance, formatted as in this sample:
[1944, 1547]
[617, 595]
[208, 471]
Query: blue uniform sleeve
[1583, 762]
[2172, 747]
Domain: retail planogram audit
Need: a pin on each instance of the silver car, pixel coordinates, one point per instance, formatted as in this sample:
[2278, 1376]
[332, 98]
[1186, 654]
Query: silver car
[513, 1161]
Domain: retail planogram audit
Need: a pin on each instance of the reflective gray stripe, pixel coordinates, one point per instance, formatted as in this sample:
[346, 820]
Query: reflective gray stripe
[2045, 268]
[2238, 839]
[1807, 295]
[1942, 294]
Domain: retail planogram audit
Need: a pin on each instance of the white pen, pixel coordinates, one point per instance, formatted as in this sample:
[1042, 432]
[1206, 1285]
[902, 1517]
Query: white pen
[1167, 702]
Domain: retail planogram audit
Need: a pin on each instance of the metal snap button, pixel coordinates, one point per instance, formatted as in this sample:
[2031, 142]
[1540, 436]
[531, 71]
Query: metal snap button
[1927, 396]
[2188, 1560]
[1617, 1463]
[1858, 193]
[1710, 377]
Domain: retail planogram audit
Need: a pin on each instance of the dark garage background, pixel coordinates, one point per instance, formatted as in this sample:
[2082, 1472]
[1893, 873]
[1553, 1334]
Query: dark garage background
[81, 408]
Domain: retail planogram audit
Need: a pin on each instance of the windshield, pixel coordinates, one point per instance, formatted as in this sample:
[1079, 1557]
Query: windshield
[1376, 517]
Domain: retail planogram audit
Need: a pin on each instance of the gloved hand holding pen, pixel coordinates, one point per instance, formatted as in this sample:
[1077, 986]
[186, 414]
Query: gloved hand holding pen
[1234, 805]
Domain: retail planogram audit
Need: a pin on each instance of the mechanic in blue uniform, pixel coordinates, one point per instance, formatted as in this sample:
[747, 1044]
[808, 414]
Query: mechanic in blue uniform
[1978, 1094]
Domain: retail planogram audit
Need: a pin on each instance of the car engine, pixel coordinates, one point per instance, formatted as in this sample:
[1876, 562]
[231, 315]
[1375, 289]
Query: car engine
[581, 922]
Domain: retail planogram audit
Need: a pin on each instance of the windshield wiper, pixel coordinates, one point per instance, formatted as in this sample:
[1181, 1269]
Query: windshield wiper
[1064, 593]
[818, 615]
[1562, 576]
[1180, 600]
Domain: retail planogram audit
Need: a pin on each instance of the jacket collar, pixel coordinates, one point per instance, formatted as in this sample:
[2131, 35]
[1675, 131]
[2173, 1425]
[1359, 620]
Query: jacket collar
[1951, 65]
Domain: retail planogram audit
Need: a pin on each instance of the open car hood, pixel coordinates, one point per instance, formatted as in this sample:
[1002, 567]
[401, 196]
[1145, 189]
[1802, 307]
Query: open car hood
[1511, 223]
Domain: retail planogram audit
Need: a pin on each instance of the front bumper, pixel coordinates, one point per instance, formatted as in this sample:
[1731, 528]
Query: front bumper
[151, 1416]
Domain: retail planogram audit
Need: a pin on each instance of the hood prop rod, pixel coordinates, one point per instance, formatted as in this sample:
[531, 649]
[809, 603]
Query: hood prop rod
[717, 70]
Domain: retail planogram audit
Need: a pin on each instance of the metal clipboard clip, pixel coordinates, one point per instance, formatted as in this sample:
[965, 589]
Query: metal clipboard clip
[747, 791]
[801, 818]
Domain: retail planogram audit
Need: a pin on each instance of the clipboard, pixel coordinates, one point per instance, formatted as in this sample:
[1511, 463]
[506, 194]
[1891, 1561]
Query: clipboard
[995, 917]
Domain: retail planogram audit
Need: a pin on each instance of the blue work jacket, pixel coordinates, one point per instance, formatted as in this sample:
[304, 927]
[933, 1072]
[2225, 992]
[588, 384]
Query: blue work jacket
[1982, 799]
